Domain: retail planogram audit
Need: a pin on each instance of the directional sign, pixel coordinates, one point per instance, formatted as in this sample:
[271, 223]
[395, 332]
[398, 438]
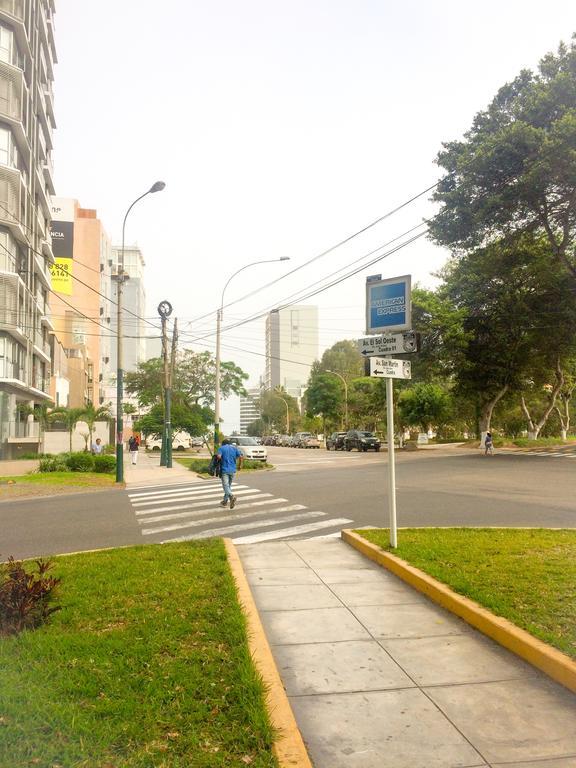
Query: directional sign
[388, 344]
[388, 305]
[389, 368]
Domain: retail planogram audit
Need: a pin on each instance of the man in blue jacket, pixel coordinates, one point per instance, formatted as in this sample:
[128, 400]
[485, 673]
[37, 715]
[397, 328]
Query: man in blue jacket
[228, 454]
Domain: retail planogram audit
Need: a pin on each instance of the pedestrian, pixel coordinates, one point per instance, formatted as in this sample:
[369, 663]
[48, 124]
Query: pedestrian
[133, 448]
[488, 444]
[228, 455]
[97, 447]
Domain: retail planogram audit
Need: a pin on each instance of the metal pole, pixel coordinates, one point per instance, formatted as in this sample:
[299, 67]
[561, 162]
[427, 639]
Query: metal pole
[391, 462]
[164, 448]
[169, 396]
[217, 386]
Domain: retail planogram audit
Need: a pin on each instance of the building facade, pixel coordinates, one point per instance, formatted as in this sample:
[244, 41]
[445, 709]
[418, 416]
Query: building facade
[27, 58]
[81, 307]
[291, 347]
[135, 328]
[249, 409]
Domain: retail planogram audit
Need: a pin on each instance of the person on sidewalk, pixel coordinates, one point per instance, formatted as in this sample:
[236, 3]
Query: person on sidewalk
[228, 455]
[133, 448]
[488, 444]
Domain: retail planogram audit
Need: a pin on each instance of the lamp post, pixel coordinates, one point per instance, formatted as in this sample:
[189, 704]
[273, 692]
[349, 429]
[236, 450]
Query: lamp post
[158, 186]
[335, 373]
[219, 315]
[287, 411]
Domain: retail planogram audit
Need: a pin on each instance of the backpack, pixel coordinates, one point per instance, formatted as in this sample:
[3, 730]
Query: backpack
[214, 468]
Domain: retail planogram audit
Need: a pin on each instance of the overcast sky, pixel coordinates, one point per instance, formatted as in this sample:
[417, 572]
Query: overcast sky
[280, 128]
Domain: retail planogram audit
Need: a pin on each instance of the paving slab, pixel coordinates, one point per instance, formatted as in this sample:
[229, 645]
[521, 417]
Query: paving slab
[562, 762]
[409, 620]
[357, 665]
[324, 625]
[291, 597]
[388, 592]
[271, 576]
[318, 556]
[468, 658]
[351, 575]
[383, 729]
[514, 720]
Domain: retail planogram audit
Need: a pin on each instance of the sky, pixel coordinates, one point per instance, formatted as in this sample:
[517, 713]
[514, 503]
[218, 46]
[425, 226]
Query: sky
[280, 128]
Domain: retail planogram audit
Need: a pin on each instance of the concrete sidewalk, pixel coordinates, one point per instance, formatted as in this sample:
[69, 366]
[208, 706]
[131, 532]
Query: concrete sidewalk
[380, 677]
[148, 471]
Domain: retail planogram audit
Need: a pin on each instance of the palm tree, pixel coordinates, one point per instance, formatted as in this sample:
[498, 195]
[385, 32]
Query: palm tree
[42, 416]
[69, 417]
[91, 415]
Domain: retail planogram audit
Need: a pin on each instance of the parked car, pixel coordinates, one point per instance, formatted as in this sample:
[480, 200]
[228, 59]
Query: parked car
[336, 441]
[309, 442]
[284, 440]
[362, 441]
[180, 442]
[250, 448]
[298, 439]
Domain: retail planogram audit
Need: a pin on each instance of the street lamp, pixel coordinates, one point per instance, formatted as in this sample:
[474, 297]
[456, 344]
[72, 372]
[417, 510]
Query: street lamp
[287, 411]
[158, 186]
[335, 373]
[219, 314]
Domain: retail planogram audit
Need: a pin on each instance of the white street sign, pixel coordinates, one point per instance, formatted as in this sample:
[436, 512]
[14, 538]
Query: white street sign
[383, 367]
[388, 344]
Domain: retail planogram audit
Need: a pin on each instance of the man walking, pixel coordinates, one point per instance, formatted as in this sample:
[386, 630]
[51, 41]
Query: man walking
[228, 454]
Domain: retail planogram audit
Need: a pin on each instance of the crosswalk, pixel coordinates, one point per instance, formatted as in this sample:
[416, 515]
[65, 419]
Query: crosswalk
[547, 454]
[193, 511]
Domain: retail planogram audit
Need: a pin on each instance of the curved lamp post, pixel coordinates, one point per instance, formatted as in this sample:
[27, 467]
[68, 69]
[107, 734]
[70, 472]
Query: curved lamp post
[335, 373]
[219, 314]
[158, 186]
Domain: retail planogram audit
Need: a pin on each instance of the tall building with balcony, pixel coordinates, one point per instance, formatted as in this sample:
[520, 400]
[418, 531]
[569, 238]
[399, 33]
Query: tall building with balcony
[27, 58]
[81, 299]
[249, 408]
[291, 347]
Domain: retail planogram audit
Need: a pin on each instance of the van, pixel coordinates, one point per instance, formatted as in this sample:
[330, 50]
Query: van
[180, 442]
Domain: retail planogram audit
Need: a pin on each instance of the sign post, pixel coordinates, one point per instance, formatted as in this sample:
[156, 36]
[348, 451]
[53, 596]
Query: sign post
[388, 312]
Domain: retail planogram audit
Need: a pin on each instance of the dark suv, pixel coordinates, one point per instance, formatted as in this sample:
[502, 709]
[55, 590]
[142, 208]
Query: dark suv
[336, 441]
[362, 441]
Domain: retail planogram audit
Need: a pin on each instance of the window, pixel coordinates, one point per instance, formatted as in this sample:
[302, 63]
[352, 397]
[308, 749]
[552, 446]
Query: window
[6, 45]
[8, 150]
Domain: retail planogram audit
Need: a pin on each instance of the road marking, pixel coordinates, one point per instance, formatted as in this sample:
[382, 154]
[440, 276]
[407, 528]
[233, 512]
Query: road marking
[196, 505]
[189, 497]
[137, 499]
[295, 531]
[200, 512]
[247, 526]
[223, 519]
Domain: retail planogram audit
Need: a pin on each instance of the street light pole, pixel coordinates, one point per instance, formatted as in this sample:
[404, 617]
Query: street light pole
[156, 187]
[219, 315]
[335, 373]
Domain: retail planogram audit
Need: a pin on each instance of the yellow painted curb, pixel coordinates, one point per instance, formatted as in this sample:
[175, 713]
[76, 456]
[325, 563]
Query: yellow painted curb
[554, 663]
[289, 746]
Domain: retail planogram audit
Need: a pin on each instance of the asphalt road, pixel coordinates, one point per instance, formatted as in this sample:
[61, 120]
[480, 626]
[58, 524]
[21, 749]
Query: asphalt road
[310, 493]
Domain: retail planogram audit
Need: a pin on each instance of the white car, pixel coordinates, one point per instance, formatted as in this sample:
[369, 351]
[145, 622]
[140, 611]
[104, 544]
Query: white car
[250, 448]
[180, 442]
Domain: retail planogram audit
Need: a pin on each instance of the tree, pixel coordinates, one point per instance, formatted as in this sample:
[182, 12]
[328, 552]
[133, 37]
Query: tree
[91, 415]
[425, 405]
[515, 170]
[325, 397]
[192, 419]
[273, 410]
[41, 413]
[69, 417]
[342, 357]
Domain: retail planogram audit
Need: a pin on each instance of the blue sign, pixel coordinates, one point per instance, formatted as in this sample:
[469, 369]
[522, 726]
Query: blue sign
[388, 305]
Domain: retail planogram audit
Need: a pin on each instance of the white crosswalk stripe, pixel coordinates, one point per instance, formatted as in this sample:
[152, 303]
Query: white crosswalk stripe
[192, 511]
[547, 455]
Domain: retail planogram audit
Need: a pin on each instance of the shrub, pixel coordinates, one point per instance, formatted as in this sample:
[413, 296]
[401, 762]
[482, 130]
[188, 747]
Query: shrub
[80, 462]
[104, 463]
[25, 598]
[201, 465]
[53, 464]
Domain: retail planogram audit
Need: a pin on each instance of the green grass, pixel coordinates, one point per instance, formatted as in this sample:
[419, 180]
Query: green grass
[201, 465]
[527, 576]
[146, 666]
[81, 479]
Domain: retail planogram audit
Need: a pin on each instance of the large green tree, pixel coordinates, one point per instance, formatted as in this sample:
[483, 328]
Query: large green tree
[426, 405]
[275, 405]
[514, 171]
[325, 397]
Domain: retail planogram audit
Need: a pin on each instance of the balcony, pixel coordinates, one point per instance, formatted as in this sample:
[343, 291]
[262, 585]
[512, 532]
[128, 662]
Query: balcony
[48, 170]
[12, 195]
[13, 97]
[14, 8]
[23, 431]
[42, 347]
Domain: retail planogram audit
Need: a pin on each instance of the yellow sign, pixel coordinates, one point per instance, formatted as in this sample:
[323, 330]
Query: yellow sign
[61, 272]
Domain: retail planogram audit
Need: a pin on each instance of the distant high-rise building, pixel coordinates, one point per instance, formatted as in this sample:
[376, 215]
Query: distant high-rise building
[135, 328]
[27, 58]
[249, 409]
[291, 347]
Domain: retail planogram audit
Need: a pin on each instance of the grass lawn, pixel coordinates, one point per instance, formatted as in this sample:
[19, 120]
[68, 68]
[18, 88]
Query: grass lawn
[81, 479]
[146, 666]
[201, 465]
[528, 576]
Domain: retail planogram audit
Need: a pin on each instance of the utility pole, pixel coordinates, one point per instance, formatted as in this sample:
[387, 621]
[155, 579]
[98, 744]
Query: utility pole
[168, 411]
[165, 310]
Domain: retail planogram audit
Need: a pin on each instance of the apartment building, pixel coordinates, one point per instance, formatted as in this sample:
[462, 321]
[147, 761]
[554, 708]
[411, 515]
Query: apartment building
[291, 347]
[249, 409]
[27, 58]
[81, 307]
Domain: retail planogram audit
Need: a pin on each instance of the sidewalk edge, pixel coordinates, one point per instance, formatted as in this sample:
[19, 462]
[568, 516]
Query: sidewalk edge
[289, 746]
[552, 662]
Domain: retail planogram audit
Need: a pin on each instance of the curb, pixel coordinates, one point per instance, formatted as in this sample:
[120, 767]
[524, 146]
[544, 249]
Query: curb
[288, 746]
[552, 662]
